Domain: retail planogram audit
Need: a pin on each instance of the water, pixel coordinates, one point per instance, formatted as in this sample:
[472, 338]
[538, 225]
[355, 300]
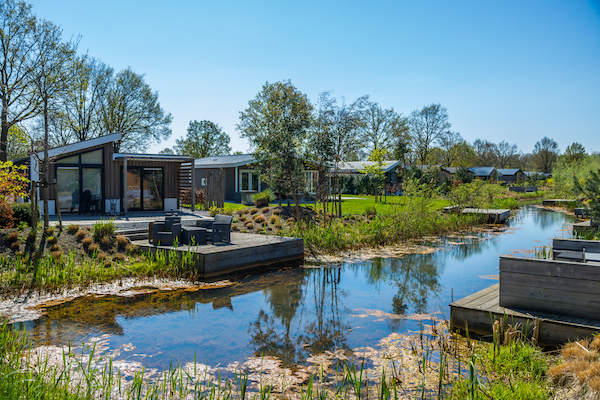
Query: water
[293, 313]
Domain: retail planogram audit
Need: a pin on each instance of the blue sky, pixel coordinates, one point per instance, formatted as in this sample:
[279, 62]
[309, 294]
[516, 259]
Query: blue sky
[512, 71]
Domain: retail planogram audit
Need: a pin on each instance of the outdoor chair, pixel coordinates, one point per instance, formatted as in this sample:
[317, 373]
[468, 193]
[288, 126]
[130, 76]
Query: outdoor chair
[165, 233]
[221, 229]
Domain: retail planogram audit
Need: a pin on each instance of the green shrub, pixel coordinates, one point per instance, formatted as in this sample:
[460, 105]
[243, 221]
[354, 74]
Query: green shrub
[263, 198]
[370, 211]
[104, 229]
[22, 213]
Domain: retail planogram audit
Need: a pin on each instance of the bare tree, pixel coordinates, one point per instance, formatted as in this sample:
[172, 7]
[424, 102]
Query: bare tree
[131, 108]
[51, 80]
[18, 63]
[382, 127]
[447, 142]
[545, 153]
[348, 122]
[80, 104]
[506, 154]
[426, 127]
[487, 152]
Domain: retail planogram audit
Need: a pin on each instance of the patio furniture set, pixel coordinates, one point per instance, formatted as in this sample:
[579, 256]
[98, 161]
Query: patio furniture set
[170, 231]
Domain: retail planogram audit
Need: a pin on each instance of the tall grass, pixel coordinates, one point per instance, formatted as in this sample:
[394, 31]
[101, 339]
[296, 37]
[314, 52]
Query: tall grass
[414, 220]
[438, 366]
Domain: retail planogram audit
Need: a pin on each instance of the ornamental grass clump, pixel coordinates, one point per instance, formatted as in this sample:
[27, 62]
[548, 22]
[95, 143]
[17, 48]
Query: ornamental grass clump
[81, 234]
[72, 229]
[103, 229]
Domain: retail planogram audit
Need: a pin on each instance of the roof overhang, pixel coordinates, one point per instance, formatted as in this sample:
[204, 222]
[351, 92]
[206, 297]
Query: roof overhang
[152, 157]
[75, 147]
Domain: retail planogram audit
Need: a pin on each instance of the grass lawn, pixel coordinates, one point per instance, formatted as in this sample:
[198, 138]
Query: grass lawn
[358, 204]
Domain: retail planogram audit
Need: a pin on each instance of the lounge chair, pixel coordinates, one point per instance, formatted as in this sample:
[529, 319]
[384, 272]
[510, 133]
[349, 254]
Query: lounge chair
[221, 229]
[165, 233]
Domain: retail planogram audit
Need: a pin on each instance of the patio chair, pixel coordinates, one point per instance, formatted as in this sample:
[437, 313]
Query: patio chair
[165, 233]
[221, 229]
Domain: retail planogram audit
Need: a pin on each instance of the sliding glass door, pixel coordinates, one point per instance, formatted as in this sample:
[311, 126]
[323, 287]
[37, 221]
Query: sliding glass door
[67, 189]
[145, 188]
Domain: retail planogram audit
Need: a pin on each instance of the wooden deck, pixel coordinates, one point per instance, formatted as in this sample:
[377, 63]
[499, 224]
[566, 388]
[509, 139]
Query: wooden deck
[558, 202]
[495, 216]
[478, 312]
[246, 251]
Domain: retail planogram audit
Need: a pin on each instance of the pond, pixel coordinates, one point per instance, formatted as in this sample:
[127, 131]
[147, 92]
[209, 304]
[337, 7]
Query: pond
[293, 313]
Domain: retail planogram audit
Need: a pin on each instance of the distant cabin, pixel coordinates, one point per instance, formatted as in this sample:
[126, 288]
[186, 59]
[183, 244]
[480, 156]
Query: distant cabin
[511, 175]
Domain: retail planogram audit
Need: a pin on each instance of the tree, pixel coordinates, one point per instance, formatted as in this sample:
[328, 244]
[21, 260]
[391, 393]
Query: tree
[545, 153]
[426, 127]
[204, 139]
[80, 104]
[506, 154]
[447, 141]
[51, 80]
[166, 150]
[462, 154]
[18, 63]
[347, 124]
[131, 108]
[382, 127]
[320, 148]
[591, 190]
[18, 145]
[487, 152]
[276, 123]
[375, 170]
[575, 152]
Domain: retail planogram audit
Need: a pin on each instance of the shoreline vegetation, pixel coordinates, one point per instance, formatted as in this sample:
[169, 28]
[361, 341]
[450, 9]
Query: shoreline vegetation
[429, 364]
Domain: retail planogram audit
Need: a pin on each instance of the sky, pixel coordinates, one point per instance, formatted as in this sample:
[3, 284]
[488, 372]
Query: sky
[505, 70]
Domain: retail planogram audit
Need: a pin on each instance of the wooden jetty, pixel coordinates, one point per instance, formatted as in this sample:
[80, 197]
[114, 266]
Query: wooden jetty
[558, 202]
[246, 251]
[494, 216]
[477, 313]
[581, 228]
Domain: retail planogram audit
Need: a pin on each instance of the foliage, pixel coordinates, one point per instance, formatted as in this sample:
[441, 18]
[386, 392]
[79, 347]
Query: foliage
[204, 139]
[562, 183]
[545, 154]
[383, 128]
[276, 123]
[575, 152]
[463, 175]
[103, 229]
[131, 108]
[7, 216]
[375, 170]
[475, 194]
[591, 190]
[22, 213]
[13, 180]
[263, 198]
[426, 127]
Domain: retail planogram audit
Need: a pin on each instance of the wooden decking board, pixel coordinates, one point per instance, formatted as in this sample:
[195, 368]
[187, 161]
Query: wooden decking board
[477, 311]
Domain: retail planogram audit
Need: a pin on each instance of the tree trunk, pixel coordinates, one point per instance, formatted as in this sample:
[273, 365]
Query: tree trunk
[4, 133]
[297, 208]
[46, 166]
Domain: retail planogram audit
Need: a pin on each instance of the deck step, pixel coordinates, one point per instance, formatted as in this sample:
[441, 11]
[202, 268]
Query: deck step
[133, 234]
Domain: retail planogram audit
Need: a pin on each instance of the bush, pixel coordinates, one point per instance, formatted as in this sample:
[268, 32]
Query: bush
[86, 242]
[93, 248]
[15, 246]
[249, 225]
[259, 218]
[72, 229]
[104, 229]
[370, 211]
[55, 247]
[122, 242]
[106, 242]
[22, 213]
[12, 237]
[119, 257]
[57, 254]
[7, 216]
[80, 235]
[263, 198]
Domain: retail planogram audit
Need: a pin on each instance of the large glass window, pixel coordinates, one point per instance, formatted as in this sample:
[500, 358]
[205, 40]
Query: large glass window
[134, 190]
[311, 180]
[67, 189]
[79, 182]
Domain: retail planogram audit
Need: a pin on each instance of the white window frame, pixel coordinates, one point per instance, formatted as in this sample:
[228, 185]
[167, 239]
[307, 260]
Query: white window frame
[251, 173]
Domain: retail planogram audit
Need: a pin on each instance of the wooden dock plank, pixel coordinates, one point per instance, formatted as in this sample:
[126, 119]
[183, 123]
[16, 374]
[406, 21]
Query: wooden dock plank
[554, 329]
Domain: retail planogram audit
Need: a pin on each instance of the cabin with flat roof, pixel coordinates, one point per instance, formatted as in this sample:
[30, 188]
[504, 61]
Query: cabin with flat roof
[88, 177]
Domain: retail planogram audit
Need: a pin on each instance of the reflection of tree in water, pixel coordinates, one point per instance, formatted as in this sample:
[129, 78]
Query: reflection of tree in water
[417, 279]
[322, 330]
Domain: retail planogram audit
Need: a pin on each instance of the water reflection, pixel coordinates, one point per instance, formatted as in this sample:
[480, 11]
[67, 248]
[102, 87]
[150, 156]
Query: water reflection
[294, 313]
